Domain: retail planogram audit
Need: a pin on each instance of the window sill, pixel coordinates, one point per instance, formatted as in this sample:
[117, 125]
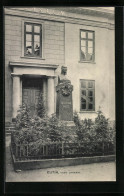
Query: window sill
[92, 62]
[31, 57]
[88, 112]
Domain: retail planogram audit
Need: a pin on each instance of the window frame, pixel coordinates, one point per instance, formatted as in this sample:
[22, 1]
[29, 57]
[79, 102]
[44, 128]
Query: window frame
[33, 33]
[87, 90]
[86, 47]
[41, 22]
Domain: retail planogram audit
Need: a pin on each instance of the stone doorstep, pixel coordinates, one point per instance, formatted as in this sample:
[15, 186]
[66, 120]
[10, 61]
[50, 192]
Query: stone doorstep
[62, 162]
[8, 133]
[9, 127]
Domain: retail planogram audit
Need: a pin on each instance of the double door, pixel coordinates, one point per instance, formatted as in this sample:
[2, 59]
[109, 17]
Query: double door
[30, 93]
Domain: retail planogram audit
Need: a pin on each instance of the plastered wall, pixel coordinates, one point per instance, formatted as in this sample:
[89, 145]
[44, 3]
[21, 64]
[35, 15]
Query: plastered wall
[61, 45]
[102, 70]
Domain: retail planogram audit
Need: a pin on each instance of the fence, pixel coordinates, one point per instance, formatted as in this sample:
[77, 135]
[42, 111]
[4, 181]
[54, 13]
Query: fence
[35, 150]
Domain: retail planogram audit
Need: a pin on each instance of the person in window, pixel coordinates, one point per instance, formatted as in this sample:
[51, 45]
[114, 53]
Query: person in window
[28, 52]
[37, 50]
[82, 55]
[89, 57]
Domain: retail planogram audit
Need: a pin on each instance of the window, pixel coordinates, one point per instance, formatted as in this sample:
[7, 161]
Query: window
[87, 95]
[32, 39]
[87, 43]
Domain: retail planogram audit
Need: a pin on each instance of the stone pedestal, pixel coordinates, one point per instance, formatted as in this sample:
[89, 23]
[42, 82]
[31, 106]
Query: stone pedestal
[64, 108]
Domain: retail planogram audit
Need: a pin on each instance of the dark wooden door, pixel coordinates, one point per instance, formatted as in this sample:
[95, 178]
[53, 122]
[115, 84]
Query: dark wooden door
[30, 94]
[30, 97]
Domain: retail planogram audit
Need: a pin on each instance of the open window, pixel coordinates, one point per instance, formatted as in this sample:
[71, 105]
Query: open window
[87, 45]
[32, 39]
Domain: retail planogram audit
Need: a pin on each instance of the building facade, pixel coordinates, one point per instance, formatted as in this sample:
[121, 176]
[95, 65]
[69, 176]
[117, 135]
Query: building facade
[38, 41]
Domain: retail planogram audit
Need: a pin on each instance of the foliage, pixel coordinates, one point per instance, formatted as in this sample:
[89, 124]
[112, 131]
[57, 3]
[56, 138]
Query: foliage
[23, 117]
[84, 129]
[103, 131]
[96, 131]
[37, 131]
[54, 129]
[41, 110]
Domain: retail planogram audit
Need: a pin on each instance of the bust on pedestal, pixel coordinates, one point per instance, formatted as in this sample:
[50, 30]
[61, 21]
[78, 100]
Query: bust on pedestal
[64, 108]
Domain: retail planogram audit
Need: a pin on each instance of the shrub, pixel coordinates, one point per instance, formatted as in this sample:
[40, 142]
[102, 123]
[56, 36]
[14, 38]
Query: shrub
[84, 129]
[41, 109]
[23, 117]
[103, 131]
[59, 131]
[37, 131]
[54, 129]
[97, 131]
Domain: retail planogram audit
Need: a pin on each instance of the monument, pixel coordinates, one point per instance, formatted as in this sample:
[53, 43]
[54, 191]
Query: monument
[64, 108]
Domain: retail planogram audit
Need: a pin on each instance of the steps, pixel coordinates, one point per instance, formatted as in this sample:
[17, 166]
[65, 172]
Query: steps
[9, 127]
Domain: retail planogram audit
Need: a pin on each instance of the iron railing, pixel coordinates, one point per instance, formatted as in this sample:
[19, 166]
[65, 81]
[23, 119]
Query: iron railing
[35, 150]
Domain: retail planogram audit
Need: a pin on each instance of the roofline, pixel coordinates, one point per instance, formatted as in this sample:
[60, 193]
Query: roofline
[100, 11]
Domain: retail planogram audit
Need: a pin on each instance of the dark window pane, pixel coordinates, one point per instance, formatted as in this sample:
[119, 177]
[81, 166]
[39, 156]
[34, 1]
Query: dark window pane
[90, 84]
[87, 98]
[90, 99]
[90, 93]
[83, 84]
[90, 106]
[84, 92]
[83, 106]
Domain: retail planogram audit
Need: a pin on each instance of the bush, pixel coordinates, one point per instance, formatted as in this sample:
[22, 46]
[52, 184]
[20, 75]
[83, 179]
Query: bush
[97, 131]
[37, 131]
[84, 129]
[41, 110]
[23, 117]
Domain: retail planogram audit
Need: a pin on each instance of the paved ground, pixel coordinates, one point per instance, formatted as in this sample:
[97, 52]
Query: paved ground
[88, 172]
